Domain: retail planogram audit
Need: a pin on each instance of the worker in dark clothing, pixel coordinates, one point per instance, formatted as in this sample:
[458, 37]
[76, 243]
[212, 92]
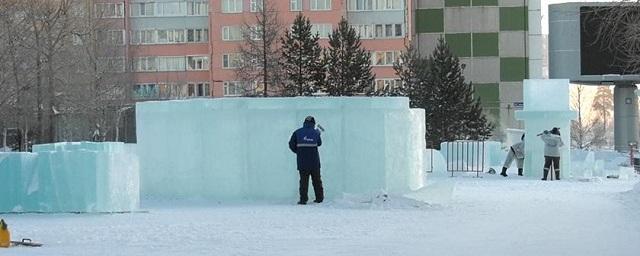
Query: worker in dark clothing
[305, 142]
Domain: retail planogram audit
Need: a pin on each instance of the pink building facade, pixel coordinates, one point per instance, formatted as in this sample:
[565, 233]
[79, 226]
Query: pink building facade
[186, 48]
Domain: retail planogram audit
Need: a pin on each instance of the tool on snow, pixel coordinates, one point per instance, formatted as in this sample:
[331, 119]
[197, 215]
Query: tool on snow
[26, 242]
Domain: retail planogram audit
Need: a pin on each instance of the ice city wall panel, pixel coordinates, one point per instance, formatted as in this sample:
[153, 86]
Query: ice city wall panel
[71, 177]
[237, 148]
[546, 105]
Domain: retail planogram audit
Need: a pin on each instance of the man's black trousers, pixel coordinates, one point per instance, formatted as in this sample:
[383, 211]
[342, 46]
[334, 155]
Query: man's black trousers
[317, 185]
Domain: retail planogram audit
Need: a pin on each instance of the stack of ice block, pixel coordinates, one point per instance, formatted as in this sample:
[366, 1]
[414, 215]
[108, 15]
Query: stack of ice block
[237, 148]
[70, 177]
[546, 105]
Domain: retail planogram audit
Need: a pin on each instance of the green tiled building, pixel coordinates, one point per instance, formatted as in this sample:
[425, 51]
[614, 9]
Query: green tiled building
[491, 38]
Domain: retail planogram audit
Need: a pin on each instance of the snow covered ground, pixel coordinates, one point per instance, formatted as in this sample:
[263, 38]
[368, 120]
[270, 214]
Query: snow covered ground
[462, 216]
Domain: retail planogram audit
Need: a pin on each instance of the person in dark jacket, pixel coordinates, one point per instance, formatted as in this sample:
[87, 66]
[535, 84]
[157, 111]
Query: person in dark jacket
[304, 143]
[552, 144]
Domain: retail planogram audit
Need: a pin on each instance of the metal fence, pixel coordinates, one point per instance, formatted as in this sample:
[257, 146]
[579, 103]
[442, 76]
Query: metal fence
[465, 156]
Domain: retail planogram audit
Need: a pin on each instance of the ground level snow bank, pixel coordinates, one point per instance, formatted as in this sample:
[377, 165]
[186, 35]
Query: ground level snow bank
[473, 216]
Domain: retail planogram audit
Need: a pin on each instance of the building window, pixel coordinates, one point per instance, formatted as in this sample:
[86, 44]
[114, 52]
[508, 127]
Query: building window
[231, 33]
[145, 91]
[197, 8]
[142, 9]
[197, 35]
[231, 60]
[360, 5]
[256, 5]
[171, 63]
[198, 90]
[385, 58]
[111, 64]
[295, 5]
[233, 88]
[375, 5]
[175, 36]
[109, 10]
[379, 29]
[170, 36]
[170, 9]
[231, 6]
[398, 30]
[387, 84]
[364, 31]
[320, 5]
[323, 30]
[143, 37]
[388, 30]
[145, 64]
[197, 63]
[169, 91]
[255, 33]
[111, 37]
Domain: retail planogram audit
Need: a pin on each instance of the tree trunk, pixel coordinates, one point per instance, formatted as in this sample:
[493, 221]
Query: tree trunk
[52, 99]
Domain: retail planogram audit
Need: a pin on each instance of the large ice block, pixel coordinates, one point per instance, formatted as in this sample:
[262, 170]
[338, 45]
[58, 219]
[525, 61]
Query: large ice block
[70, 177]
[546, 105]
[237, 148]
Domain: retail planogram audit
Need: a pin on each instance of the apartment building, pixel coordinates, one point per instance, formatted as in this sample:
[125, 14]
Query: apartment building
[169, 48]
[382, 25]
[499, 41]
[189, 48]
[165, 45]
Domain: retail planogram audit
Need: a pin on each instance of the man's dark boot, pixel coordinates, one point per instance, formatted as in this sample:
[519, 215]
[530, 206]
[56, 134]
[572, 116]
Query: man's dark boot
[519, 171]
[546, 173]
[504, 172]
[557, 174]
[302, 202]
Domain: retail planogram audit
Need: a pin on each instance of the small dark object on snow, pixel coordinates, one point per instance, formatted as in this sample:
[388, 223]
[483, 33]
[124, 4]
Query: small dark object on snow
[26, 242]
[612, 176]
[491, 171]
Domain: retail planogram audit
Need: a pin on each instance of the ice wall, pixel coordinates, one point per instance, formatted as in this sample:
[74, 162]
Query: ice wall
[237, 148]
[70, 177]
[546, 105]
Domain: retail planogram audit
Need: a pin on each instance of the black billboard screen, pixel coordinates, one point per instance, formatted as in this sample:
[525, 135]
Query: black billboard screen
[595, 58]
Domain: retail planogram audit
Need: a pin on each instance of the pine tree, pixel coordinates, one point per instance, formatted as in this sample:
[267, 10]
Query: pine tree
[412, 71]
[454, 113]
[301, 59]
[477, 127]
[348, 64]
